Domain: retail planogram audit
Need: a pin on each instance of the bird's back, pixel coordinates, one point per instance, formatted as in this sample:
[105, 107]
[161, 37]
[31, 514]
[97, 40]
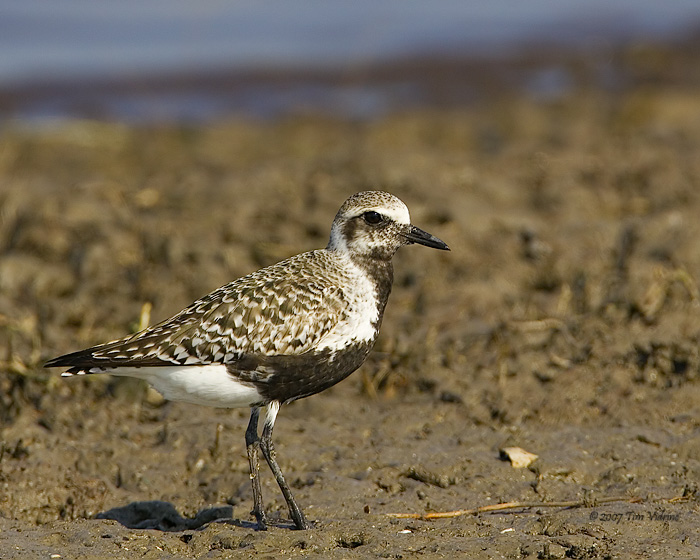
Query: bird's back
[310, 303]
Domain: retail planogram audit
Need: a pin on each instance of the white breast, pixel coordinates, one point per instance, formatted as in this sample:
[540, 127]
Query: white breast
[362, 314]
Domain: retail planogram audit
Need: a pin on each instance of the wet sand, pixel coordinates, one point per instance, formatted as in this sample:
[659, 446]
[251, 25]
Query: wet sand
[565, 321]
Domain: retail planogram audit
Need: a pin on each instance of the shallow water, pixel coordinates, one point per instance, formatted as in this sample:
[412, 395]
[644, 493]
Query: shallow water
[168, 61]
[77, 39]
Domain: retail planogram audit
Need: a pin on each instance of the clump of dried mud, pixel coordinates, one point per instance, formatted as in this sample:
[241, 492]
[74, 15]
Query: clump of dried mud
[565, 321]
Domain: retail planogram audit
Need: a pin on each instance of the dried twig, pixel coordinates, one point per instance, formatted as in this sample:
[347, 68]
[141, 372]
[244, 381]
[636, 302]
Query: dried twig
[513, 505]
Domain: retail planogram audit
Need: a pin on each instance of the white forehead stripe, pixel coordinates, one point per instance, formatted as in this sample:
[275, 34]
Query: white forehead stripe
[395, 210]
[397, 213]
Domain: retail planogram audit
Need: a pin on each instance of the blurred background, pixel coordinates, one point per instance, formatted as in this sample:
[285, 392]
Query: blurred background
[167, 60]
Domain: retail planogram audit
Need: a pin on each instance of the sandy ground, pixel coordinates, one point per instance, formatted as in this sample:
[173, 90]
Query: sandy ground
[565, 321]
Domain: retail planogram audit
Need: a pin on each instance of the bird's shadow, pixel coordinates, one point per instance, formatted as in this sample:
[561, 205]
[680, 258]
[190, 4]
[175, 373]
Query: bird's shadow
[162, 516]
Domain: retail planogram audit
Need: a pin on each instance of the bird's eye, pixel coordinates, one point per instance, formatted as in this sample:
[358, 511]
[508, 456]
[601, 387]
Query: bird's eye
[373, 218]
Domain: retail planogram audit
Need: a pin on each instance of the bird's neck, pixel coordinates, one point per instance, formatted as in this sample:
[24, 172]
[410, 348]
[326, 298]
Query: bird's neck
[381, 274]
[376, 266]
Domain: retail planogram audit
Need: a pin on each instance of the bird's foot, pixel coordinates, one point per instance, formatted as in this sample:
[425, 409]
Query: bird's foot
[261, 518]
[300, 521]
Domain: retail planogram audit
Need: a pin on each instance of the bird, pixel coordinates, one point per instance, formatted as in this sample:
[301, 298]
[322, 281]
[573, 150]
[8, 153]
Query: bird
[282, 333]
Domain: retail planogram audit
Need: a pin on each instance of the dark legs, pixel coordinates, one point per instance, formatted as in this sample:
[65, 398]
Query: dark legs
[270, 456]
[252, 444]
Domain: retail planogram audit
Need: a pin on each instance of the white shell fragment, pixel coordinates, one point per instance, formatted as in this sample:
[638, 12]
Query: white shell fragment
[518, 457]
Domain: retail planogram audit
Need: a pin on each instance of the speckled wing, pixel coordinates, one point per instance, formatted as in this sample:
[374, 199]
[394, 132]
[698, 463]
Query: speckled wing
[281, 310]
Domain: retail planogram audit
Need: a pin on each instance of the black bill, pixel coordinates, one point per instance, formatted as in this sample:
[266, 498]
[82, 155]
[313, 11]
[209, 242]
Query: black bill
[417, 235]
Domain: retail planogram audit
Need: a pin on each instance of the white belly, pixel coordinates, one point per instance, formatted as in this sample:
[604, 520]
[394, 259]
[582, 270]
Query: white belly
[209, 385]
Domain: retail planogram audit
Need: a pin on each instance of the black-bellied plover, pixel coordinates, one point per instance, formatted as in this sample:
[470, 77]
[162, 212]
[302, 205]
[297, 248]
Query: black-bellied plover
[282, 333]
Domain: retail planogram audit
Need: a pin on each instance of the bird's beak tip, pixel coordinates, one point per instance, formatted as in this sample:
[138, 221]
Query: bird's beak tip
[417, 235]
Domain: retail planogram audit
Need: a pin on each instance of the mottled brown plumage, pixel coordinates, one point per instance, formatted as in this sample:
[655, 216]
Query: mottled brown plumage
[284, 309]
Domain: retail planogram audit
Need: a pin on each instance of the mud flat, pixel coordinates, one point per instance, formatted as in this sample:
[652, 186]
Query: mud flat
[565, 321]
